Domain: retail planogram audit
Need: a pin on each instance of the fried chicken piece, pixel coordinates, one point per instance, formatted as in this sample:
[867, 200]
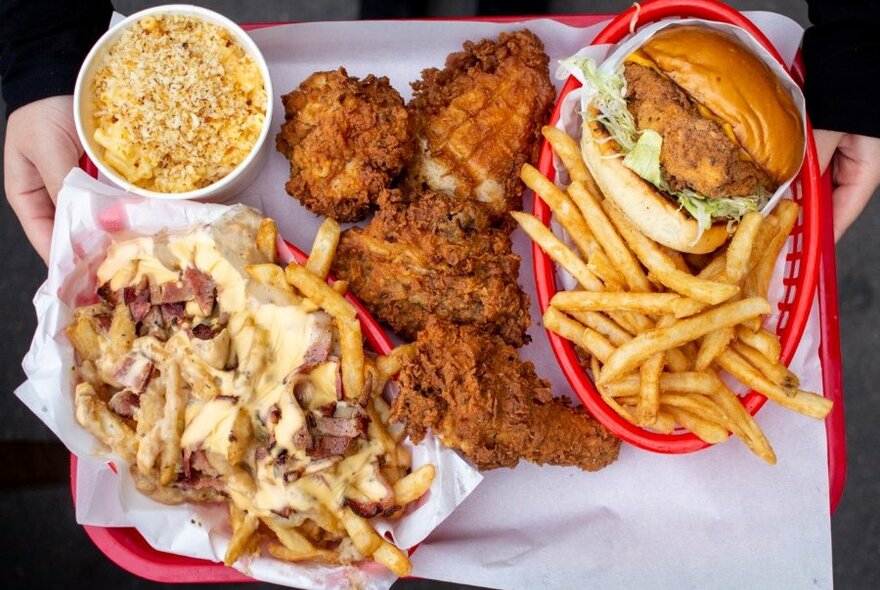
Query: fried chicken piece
[437, 255]
[346, 140]
[477, 396]
[696, 153]
[479, 120]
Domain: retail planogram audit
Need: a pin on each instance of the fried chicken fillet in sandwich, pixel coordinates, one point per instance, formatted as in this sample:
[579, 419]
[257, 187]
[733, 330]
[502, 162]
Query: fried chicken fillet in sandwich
[689, 134]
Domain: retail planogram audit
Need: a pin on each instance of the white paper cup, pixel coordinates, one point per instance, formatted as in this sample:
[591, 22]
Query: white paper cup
[224, 189]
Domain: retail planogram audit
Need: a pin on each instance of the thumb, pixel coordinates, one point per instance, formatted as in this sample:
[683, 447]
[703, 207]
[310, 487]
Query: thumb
[826, 144]
[849, 200]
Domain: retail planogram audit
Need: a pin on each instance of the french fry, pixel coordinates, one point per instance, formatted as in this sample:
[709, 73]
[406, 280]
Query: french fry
[786, 214]
[557, 250]
[752, 435]
[365, 539]
[605, 233]
[664, 423]
[600, 266]
[393, 558]
[566, 211]
[83, 335]
[763, 340]
[740, 249]
[661, 266]
[753, 324]
[121, 333]
[390, 364]
[802, 402]
[705, 430]
[649, 389]
[699, 383]
[411, 487]
[637, 350]
[324, 248]
[172, 425]
[568, 150]
[605, 326]
[149, 415]
[646, 303]
[713, 343]
[240, 437]
[590, 340]
[351, 352]
[320, 292]
[267, 239]
[107, 427]
[244, 526]
[269, 274]
[772, 369]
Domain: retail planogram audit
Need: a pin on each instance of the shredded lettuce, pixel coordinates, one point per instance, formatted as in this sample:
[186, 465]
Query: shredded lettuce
[644, 158]
[610, 100]
[641, 151]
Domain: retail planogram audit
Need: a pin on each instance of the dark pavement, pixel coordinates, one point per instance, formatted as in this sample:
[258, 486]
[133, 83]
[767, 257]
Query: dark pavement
[42, 547]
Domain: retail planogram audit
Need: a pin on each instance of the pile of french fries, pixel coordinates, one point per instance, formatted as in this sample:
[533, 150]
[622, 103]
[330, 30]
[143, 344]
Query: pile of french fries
[322, 522]
[658, 326]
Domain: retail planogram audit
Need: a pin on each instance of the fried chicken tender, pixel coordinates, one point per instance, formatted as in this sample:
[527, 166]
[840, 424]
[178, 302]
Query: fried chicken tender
[696, 153]
[434, 254]
[472, 390]
[479, 120]
[346, 140]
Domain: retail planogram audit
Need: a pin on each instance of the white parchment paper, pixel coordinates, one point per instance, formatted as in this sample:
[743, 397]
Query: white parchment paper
[88, 213]
[716, 519]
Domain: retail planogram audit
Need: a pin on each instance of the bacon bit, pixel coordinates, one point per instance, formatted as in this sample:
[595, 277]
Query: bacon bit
[206, 331]
[187, 467]
[302, 439]
[140, 306]
[125, 403]
[343, 427]
[364, 509]
[327, 446]
[171, 292]
[133, 372]
[203, 288]
[172, 313]
[110, 296]
[201, 482]
[103, 320]
[327, 410]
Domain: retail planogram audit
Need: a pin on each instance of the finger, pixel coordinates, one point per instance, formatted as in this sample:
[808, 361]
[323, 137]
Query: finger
[826, 144]
[849, 200]
[63, 156]
[30, 201]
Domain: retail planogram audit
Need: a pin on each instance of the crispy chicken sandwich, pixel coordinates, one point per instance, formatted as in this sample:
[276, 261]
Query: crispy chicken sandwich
[692, 131]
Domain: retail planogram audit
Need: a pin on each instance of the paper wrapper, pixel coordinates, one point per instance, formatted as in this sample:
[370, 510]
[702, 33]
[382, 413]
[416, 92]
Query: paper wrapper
[715, 519]
[87, 214]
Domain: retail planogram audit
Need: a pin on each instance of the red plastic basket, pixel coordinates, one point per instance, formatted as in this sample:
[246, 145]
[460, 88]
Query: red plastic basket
[127, 548]
[801, 273]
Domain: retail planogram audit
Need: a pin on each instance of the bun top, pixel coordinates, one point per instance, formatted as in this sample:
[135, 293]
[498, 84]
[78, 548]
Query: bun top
[723, 75]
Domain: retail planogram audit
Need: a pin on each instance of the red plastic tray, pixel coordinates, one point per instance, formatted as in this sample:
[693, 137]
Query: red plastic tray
[802, 274]
[128, 549]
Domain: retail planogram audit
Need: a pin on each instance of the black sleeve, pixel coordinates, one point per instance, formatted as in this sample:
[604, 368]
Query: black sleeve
[841, 54]
[43, 44]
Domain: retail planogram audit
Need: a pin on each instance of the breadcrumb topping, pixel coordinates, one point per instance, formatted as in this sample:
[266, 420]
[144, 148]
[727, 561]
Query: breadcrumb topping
[178, 103]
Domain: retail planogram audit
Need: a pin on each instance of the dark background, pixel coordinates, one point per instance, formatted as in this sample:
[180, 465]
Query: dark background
[42, 547]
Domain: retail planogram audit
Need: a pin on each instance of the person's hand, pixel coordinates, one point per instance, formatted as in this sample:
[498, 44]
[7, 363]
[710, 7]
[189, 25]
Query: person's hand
[855, 173]
[41, 148]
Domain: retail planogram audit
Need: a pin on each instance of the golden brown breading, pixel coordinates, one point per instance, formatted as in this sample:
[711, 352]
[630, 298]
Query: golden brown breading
[476, 395]
[346, 140]
[696, 153]
[437, 255]
[479, 120]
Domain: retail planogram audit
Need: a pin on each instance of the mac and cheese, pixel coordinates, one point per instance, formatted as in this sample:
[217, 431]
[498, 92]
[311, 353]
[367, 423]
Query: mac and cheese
[177, 104]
